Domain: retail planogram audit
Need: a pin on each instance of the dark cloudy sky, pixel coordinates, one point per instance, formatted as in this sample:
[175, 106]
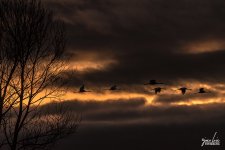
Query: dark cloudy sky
[128, 42]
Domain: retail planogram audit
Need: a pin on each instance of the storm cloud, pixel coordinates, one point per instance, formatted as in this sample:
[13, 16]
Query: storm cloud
[127, 43]
[160, 39]
[137, 111]
[131, 124]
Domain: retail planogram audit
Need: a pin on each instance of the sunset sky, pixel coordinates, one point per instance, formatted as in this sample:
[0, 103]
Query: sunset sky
[129, 42]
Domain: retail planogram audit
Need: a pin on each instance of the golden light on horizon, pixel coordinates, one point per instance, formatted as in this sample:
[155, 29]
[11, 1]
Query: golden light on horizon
[215, 95]
[107, 96]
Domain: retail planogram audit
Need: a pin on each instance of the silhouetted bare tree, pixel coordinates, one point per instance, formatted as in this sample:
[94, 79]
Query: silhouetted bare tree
[32, 44]
[8, 63]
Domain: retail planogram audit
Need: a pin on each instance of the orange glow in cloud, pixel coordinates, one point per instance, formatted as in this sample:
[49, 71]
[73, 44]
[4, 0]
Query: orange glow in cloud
[201, 102]
[204, 46]
[107, 96]
[127, 96]
[85, 61]
[87, 65]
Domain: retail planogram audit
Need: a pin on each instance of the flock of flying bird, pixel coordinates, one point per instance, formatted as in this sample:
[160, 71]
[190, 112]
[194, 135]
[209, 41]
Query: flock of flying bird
[157, 90]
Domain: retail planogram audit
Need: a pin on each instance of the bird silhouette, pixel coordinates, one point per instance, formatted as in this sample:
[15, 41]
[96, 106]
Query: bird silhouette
[153, 82]
[183, 90]
[82, 89]
[113, 88]
[158, 90]
[202, 91]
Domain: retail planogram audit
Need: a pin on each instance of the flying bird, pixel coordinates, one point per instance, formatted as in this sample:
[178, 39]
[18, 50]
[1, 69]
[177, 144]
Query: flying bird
[183, 90]
[153, 82]
[82, 89]
[113, 88]
[202, 91]
[158, 90]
